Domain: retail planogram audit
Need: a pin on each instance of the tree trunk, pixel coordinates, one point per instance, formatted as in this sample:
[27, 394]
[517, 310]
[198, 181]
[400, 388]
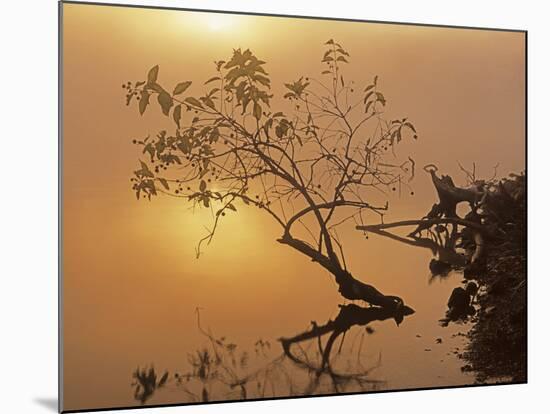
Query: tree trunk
[349, 287]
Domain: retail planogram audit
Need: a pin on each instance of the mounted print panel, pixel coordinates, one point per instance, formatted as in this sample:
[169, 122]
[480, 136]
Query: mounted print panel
[258, 207]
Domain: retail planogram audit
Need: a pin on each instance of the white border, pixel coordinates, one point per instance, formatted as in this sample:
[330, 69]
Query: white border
[28, 206]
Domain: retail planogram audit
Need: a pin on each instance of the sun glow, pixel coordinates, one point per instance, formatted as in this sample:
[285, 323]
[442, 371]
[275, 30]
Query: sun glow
[217, 21]
[237, 230]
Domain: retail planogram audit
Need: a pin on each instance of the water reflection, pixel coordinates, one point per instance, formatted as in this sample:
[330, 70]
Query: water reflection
[350, 315]
[307, 363]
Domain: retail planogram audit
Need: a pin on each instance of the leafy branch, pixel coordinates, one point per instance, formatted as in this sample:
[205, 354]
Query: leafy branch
[315, 163]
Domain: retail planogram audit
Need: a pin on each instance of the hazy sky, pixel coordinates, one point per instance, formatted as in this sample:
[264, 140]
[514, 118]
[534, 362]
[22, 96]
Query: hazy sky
[131, 280]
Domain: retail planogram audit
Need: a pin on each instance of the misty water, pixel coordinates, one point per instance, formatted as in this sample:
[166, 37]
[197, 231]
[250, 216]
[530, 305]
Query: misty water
[418, 353]
[137, 308]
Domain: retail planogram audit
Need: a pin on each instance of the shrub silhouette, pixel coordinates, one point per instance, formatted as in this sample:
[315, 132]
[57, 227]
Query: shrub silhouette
[314, 166]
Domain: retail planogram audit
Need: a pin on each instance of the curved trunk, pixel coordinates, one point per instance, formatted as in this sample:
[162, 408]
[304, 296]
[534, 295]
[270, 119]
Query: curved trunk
[349, 287]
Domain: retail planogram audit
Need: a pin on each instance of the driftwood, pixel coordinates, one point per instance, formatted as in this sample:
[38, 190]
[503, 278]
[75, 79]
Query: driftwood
[450, 195]
[439, 229]
[424, 224]
[446, 252]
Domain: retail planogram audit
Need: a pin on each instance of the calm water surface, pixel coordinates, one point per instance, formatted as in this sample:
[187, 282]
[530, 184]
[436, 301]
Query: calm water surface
[156, 324]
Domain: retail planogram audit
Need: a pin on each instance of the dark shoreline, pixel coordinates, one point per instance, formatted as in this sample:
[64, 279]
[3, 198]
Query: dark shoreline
[497, 349]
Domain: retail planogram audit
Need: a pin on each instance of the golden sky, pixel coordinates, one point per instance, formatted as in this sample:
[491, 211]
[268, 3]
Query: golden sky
[131, 280]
